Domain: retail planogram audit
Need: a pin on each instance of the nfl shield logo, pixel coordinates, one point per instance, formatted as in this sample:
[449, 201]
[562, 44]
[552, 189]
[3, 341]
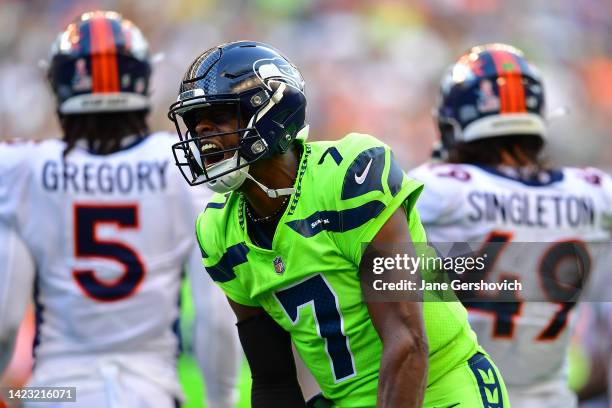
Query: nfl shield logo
[279, 266]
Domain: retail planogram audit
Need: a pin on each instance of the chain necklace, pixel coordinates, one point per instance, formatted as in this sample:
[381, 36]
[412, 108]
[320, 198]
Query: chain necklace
[276, 212]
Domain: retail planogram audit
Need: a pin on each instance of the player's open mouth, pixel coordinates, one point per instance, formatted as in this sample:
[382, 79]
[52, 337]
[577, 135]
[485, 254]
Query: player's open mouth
[212, 153]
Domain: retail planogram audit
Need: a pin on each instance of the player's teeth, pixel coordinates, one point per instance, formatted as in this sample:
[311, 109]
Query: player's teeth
[208, 146]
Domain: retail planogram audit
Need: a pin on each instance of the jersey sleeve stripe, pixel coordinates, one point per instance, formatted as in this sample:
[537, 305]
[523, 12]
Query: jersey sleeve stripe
[395, 177]
[337, 221]
[223, 271]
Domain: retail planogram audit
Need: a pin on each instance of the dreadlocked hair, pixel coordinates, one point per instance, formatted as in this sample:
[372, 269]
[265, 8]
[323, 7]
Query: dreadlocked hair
[103, 132]
[524, 149]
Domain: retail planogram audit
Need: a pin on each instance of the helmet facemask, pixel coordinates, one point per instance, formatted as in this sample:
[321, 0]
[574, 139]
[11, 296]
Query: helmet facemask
[212, 158]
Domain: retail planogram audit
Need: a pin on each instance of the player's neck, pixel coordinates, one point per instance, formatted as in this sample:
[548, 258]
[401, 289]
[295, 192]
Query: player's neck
[279, 171]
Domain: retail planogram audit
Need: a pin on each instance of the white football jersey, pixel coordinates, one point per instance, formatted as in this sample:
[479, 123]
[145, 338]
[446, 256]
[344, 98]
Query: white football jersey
[109, 235]
[466, 203]
[14, 256]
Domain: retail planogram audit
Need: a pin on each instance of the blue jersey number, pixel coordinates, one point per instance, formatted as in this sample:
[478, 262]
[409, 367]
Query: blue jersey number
[316, 291]
[87, 245]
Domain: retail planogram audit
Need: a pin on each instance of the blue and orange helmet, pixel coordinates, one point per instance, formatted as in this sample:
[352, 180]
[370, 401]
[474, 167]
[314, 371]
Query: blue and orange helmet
[491, 91]
[100, 63]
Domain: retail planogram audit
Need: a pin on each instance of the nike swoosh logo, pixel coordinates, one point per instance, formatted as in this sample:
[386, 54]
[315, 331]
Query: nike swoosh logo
[361, 179]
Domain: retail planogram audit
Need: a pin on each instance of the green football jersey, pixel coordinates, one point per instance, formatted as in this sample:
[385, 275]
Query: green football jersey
[309, 281]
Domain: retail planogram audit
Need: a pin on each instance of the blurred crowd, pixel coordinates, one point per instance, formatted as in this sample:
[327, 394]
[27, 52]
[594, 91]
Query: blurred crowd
[370, 66]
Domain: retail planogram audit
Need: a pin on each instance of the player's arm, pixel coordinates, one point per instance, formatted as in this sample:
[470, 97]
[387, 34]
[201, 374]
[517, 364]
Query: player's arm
[215, 345]
[16, 283]
[403, 367]
[268, 350]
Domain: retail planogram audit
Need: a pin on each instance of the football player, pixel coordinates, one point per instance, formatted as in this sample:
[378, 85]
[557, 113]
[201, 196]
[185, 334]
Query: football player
[109, 223]
[283, 239]
[493, 188]
[14, 256]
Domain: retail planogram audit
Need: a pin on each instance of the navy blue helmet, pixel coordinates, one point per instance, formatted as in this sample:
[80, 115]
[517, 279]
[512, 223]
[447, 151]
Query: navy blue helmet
[100, 63]
[264, 91]
[490, 91]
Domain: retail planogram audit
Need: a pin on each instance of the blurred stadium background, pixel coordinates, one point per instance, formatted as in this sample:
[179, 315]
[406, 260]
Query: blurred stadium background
[370, 66]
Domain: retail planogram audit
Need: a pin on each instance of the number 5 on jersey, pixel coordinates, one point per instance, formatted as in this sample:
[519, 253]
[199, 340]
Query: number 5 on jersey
[87, 218]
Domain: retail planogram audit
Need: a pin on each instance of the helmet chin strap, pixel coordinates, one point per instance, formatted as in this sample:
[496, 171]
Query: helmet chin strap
[272, 193]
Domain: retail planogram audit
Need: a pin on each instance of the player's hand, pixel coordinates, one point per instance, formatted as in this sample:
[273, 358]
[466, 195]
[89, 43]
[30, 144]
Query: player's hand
[319, 401]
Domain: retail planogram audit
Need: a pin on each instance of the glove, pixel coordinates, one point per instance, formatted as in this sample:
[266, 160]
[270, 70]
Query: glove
[319, 401]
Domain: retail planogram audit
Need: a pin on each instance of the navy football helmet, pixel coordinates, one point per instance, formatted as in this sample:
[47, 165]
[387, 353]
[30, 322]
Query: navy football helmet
[100, 63]
[264, 91]
[490, 91]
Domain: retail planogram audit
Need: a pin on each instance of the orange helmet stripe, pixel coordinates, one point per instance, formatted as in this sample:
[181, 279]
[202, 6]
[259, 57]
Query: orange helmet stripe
[519, 88]
[512, 92]
[502, 83]
[104, 67]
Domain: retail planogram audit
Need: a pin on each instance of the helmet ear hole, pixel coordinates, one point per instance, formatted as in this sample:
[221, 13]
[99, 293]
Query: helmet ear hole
[284, 143]
[448, 133]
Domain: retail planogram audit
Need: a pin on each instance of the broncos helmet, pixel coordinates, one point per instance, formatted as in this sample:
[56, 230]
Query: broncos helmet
[266, 92]
[100, 63]
[490, 91]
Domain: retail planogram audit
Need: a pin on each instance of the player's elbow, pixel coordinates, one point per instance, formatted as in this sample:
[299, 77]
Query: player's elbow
[415, 346]
[408, 346]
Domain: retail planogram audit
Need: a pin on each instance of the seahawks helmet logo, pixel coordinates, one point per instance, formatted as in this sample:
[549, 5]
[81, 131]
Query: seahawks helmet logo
[269, 69]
